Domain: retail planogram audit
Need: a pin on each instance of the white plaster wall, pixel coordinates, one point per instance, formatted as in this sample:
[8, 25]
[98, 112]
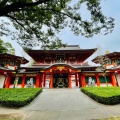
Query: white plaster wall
[118, 79]
[104, 84]
[11, 67]
[2, 78]
[18, 86]
[29, 87]
[93, 86]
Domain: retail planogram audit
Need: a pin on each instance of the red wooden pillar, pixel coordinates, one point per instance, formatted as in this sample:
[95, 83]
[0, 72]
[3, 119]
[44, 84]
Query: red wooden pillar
[40, 80]
[51, 81]
[44, 80]
[37, 80]
[23, 81]
[98, 80]
[69, 79]
[116, 78]
[41, 76]
[83, 80]
[8, 81]
[76, 80]
[113, 80]
[5, 80]
[79, 76]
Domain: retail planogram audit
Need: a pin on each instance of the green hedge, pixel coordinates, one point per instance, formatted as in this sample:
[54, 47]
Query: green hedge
[104, 95]
[18, 97]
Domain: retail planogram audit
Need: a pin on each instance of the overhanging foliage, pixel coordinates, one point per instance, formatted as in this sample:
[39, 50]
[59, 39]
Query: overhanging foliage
[40, 21]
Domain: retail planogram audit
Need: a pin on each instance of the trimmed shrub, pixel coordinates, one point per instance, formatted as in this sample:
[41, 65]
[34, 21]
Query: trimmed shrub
[104, 95]
[18, 97]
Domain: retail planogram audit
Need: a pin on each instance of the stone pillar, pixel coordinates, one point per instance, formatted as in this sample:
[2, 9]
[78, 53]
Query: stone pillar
[23, 81]
[97, 79]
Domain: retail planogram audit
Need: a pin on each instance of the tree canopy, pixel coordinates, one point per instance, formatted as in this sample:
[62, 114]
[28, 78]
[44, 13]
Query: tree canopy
[41, 21]
[6, 47]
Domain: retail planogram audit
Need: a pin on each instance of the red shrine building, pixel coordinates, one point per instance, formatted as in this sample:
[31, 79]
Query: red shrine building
[61, 68]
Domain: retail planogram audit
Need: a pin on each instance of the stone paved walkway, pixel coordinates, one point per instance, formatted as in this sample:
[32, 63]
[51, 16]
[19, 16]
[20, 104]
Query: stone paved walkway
[65, 104]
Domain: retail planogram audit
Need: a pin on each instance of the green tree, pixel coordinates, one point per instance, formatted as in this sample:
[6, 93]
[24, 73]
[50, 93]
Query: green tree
[101, 59]
[31, 61]
[2, 48]
[6, 47]
[41, 21]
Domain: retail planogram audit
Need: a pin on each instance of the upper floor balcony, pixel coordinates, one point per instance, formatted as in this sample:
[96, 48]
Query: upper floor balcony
[75, 62]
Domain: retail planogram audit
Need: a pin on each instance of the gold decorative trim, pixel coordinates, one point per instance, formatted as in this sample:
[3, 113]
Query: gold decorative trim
[78, 70]
[60, 68]
[14, 72]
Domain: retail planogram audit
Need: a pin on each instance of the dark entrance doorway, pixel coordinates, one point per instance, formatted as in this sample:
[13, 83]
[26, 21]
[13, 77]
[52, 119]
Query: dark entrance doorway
[60, 80]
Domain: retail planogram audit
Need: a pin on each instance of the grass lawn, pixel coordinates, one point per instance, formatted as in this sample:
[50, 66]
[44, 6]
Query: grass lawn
[11, 117]
[104, 91]
[105, 95]
[16, 97]
[112, 118]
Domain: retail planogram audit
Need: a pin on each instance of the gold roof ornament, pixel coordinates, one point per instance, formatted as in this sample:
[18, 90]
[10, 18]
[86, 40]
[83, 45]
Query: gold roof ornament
[13, 52]
[50, 70]
[78, 70]
[60, 68]
[107, 52]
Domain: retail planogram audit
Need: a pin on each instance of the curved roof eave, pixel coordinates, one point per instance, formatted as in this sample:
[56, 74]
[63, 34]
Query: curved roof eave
[94, 49]
[64, 64]
[6, 69]
[16, 58]
[58, 65]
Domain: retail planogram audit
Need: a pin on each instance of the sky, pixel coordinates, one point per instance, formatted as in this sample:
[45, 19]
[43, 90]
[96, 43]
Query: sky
[110, 42]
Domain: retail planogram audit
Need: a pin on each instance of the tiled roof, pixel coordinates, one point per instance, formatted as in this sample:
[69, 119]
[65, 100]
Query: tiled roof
[116, 67]
[68, 47]
[16, 58]
[59, 64]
